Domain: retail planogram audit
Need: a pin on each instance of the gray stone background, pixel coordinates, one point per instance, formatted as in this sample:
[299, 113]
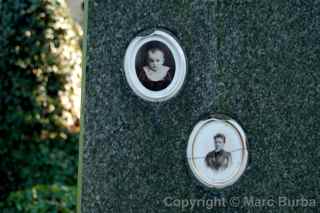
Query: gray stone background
[256, 61]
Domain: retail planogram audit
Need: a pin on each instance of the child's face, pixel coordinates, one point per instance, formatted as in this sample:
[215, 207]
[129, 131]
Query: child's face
[155, 59]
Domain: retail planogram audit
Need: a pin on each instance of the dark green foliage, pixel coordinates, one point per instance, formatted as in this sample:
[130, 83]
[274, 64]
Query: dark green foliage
[39, 65]
[41, 199]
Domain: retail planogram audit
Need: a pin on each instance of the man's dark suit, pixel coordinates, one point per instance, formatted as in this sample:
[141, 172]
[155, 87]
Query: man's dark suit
[218, 160]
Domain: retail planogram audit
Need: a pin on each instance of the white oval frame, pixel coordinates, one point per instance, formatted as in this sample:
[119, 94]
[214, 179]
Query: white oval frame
[242, 167]
[180, 66]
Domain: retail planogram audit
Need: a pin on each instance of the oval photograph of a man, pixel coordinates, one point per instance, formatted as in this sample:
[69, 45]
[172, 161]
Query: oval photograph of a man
[217, 151]
[219, 158]
[155, 65]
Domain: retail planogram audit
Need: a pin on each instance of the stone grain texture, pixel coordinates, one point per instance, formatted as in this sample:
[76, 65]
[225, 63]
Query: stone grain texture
[256, 61]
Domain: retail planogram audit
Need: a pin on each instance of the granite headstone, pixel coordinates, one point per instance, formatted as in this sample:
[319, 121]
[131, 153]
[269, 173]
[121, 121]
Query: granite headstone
[255, 61]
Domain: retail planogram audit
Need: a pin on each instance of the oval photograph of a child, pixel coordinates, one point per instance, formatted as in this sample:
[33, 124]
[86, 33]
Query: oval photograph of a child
[155, 65]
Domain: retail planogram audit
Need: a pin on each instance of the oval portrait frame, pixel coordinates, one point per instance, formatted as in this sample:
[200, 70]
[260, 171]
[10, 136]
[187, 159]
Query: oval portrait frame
[180, 61]
[190, 156]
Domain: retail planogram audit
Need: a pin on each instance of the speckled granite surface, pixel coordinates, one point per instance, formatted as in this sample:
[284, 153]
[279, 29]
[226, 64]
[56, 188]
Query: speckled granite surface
[256, 61]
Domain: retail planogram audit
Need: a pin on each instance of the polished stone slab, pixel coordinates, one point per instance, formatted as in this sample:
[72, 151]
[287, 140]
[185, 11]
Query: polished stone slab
[255, 61]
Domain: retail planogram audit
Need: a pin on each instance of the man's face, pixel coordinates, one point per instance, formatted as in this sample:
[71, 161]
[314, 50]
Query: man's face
[219, 143]
[155, 59]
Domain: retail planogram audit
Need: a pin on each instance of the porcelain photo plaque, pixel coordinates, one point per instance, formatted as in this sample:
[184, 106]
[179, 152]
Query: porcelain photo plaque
[155, 66]
[217, 152]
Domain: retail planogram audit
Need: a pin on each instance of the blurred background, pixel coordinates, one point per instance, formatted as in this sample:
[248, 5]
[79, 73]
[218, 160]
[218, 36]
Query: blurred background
[40, 79]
